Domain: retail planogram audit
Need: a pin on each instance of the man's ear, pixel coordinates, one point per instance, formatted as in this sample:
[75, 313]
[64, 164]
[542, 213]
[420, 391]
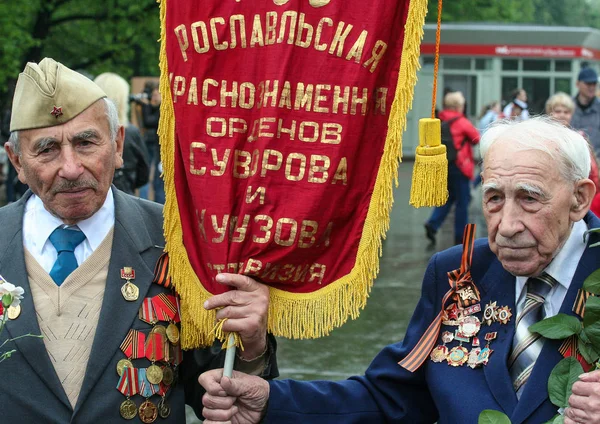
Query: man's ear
[584, 194]
[15, 159]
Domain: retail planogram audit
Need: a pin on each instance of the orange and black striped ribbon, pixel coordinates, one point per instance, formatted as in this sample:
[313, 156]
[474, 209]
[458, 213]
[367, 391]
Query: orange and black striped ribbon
[579, 305]
[569, 346]
[459, 280]
[161, 271]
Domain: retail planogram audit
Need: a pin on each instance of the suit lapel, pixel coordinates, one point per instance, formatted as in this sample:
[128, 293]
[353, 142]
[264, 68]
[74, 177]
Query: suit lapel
[13, 269]
[498, 286]
[536, 389]
[117, 315]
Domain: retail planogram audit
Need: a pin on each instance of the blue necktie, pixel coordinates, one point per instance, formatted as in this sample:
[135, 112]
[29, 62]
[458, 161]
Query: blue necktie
[65, 241]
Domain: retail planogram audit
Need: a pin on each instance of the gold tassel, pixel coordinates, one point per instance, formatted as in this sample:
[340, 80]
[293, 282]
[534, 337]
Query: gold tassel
[430, 173]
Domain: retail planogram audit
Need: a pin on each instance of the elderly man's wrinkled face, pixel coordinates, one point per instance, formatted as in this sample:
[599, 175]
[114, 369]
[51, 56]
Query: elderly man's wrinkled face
[70, 166]
[528, 206]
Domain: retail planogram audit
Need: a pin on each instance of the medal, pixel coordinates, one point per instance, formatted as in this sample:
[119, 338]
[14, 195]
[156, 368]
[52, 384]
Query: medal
[473, 357]
[128, 386]
[469, 326]
[13, 312]
[458, 356]
[160, 329]
[154, 374]
[439, 354]
[173, 333]
[123, 363]
[168, 376]
[484, 355]
[503, 314]
[128, 409]
[447, 337]
[130, 291]
[164, 410]
[148, 412]
[473, 309]
[489, 313]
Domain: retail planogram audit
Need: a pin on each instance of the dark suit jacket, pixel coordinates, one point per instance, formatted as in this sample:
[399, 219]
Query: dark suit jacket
[436, 391]
[29, 382]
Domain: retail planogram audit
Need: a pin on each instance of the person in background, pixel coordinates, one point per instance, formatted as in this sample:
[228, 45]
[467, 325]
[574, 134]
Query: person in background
[150, 103]
[586, 116]
[489, 114]
[560, 106]
[136, 170]
[520, 95]
[460, 171]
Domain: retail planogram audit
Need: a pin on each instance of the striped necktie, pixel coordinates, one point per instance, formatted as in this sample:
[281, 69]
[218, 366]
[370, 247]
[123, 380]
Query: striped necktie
[65, 240]
[526, 345]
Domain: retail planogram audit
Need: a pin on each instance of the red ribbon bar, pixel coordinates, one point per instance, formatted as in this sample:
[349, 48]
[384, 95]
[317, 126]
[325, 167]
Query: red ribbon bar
[458, 279]
[133, 344]
[147, 313]
[154, 347]
[132, 381]
[165, 306]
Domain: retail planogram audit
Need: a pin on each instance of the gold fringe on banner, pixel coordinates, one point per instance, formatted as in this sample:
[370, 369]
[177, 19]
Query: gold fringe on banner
[307, 315]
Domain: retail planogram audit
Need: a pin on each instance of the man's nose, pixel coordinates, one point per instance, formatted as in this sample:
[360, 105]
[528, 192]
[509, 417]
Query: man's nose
[71, 167]
[511, 222]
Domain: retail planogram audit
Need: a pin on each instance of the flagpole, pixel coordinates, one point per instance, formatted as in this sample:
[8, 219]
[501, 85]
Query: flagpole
[229, 357]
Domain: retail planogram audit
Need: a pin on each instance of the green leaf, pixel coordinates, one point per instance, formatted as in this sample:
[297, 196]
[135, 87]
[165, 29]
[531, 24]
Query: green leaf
[489, 416]
[557, 419]
[559, 326]
[592, 282]
[587, 351]
[561, 380]
[593, 334]
[592, 311]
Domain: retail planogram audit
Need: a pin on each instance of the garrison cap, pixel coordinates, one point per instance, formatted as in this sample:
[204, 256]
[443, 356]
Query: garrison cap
[49, 94]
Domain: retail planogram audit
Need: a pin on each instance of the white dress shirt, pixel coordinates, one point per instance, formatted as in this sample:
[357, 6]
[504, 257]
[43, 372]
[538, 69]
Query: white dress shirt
[562, 269]
[38, 224]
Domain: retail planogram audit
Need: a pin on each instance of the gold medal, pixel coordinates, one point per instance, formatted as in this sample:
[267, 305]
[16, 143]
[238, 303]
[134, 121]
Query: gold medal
[148, 412]
[173, 333]
[122, 364]
[128, 409]
[154, 374]
[164, 410]
[168, 376]
[439, 354]
[457, 356]
[130, 291]
[160, 329]
[13, 312]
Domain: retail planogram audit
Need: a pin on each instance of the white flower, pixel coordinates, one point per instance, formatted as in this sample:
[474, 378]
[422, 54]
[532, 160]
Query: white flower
[11, 295]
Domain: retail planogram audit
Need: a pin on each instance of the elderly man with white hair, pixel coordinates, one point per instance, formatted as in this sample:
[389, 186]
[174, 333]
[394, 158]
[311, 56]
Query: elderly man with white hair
[468, 347]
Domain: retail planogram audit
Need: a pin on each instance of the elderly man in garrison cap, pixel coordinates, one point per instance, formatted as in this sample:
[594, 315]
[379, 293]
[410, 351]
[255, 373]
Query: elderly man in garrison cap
[86, 253]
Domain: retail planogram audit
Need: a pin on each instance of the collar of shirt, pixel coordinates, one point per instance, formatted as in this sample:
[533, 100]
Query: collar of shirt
[562, 269]
[38, 224]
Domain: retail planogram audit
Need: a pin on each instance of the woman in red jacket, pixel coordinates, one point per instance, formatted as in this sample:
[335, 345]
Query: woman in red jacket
[460, 171]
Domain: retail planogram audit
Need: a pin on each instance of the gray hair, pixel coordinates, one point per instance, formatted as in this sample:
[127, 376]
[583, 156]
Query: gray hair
[568, 148]
[111, 115]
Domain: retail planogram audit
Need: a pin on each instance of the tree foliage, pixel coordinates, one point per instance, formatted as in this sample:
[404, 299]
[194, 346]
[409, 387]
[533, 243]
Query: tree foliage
[89, 36]
[582, 13]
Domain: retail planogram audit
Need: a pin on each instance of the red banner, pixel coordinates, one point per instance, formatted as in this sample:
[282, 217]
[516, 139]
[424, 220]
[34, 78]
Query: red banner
[281, 163]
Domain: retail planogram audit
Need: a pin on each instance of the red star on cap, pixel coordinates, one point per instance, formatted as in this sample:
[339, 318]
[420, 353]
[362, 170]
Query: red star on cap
[56, 111]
